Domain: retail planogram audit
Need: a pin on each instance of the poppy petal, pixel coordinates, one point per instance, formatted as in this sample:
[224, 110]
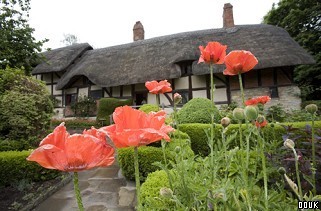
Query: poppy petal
[57, 137]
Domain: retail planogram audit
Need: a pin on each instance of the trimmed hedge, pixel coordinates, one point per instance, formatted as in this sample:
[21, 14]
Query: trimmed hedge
[150, 190]
[149, 108]
[197, 133]
[14, 167]
[198, 110]
[75, 123]
[147, 155]
[108, 105]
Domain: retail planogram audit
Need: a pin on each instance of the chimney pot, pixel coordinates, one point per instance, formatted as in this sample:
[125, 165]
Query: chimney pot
[228, 20]
[138, 31]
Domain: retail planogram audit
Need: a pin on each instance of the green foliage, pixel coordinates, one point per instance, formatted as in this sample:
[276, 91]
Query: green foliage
[198, 134]
[301, 18]
[198, 110]
[18, 47]
[150, 191]
[84, 106]
[276, 113]
[14, 167]
[149, 108]
[75, 123]
[108, 105]
[147, 155]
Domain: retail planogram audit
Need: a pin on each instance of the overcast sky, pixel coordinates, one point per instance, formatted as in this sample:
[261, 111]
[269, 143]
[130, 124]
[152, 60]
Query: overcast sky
[103, 23]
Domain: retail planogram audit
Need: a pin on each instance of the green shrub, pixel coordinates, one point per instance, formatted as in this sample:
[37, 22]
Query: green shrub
[84, 106]
[176, 134]
[150, 191]
[14, 167]
[108, 105]
[149, 108]
[147, 155]
[75, 123]
[25, 106]
[198, 110]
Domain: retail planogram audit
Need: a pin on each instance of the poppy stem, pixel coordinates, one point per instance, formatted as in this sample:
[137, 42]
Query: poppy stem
[241, 88]
[212, 83]
[297, 172]
[313, 158]
[137, 177]
[77, 192]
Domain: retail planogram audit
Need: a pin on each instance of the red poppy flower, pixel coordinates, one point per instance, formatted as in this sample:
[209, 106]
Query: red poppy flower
[136, 128]
[158, 87]
[262, 124]
[77, 152]
[213, 53]
[257, 100]
[239, 62]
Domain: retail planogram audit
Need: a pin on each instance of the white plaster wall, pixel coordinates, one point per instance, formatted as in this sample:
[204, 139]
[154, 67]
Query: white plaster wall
[198, 81]
[58, 113]
[127, 91]
[71, 91]
[181, 83]
[199, 93]
[83, 92]
[56, 92]
[95, 87]
[47, 77]
[48, 88]
[55, 78]
[116, 91]
[220, 95]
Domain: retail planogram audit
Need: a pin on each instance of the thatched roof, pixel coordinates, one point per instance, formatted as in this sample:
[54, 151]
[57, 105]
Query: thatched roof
[61, 58]
[155, 59]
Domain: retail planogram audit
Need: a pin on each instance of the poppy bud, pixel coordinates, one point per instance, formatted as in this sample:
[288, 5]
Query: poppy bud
[272, 125]
[225, 121]
[260, 119]
[293, 186]
[166, 192]
[177, 98]
[251, 112]
[238, 113]
[311, 108]
[177, 149]
[289, 144]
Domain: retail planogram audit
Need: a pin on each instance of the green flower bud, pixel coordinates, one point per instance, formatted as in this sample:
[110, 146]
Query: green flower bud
[225, 121]
[289, 144]
[238, 113]
[260, 119]
[251, 112]
[311, 108]
[177, 149]
[166, 192]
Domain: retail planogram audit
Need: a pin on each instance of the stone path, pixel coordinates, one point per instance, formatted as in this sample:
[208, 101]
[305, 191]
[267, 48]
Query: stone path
[102, 189]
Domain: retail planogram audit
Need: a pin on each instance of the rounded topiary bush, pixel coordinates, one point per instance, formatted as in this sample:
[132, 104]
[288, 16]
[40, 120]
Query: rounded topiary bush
[149, 108]
[198, 110]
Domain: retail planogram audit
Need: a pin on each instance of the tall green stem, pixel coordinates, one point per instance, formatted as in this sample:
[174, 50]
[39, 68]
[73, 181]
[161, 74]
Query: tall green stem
[241, 134]
[297, 172]
[313, 159]
[77, 192]
[242, 90]
[137, 177]
[264, 173]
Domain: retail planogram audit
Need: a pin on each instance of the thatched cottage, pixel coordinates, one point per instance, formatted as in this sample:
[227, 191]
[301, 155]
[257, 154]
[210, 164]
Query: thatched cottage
[121, 71]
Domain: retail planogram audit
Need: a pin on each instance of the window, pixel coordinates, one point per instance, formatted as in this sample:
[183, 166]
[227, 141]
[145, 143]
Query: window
[70, 98]
[274, 92]
[96, 94]
[186, 67]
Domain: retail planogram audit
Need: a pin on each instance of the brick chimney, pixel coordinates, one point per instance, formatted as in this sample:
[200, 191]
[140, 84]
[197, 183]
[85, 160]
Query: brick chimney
[228, 20]
[138, 30]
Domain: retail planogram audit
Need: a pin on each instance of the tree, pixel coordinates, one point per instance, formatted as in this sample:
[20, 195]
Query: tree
[18, 47]
[302, 20]
[69, 39]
